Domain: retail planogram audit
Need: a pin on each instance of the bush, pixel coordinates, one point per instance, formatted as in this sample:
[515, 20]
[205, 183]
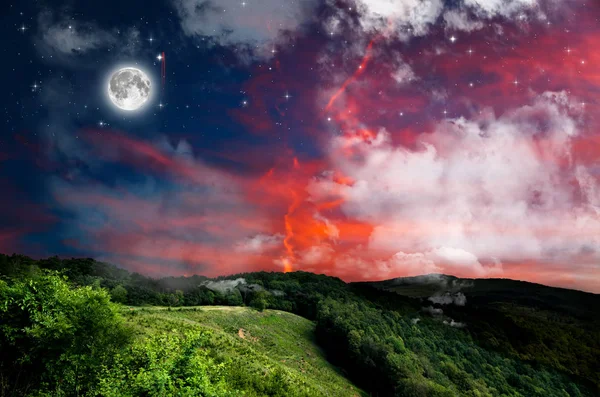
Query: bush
[165, 365]
[55, 338]
[119, 294]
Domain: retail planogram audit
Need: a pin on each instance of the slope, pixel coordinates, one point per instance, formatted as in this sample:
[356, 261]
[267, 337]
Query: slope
[254, 346]
[555, 327]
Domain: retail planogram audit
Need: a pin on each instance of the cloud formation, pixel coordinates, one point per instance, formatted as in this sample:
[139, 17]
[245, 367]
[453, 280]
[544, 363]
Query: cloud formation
[458, 299]
[475, 192]
[73, 42]
[255, 26]
[224, 286]
[413, 18]
[259, 243]
[69, 37]
[433, 310]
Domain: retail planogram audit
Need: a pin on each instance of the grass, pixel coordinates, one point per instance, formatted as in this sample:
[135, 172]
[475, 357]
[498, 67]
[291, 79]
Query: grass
[255, 343]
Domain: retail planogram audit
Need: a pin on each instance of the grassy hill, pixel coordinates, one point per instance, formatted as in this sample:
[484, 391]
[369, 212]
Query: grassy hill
[61, 334]
[254, 345]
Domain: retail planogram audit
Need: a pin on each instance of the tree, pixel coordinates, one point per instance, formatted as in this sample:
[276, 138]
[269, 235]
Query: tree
[119, 294]
[260, 300]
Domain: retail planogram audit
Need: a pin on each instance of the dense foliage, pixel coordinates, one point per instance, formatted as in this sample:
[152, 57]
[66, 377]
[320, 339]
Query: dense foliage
[55, 338]
[384, 341]
[253, 353]
[554, 327]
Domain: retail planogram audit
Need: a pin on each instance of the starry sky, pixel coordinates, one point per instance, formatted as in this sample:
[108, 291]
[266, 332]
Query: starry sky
[364, 139]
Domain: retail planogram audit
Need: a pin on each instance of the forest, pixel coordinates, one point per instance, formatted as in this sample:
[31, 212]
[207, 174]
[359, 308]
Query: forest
[67, 328]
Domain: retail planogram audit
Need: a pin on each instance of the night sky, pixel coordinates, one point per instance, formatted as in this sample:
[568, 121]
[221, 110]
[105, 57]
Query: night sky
[364, 139]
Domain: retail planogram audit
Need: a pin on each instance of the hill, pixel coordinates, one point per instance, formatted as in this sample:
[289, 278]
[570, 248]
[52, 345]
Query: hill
[572, 302]
[255, 345]
[429, 336]
[556, 327]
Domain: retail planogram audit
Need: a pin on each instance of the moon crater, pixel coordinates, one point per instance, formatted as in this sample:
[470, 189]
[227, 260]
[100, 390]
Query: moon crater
[129, 89]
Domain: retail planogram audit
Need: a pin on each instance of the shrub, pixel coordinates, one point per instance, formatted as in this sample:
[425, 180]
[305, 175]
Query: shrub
[119, 294]
[56, 338]
[165, 365]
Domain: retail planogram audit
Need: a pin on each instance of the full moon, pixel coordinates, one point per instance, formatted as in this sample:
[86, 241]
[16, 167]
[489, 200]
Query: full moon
[129, 89]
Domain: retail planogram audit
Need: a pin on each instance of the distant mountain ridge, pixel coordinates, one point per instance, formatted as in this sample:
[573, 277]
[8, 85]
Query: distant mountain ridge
[580, 303]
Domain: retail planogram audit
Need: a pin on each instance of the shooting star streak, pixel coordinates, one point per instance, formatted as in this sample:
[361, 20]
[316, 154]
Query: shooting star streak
[351, 79]
[163, 70]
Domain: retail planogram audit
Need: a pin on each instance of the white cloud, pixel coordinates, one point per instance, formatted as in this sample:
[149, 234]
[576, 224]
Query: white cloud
[404, 18]
[455, 260]
[409, 18]
[259, 243]
[439, 260]
[460, 20]
[477, 193]
[403, 73]
[333, 25]
[316, 255]
[411, 264]
[225, 286]
[505, 8]
[458, 299]
[70, 37]
[432, 310]
[258, 24]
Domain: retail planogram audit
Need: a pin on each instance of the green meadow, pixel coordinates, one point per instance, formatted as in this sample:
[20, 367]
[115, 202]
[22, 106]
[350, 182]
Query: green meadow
[262, 353]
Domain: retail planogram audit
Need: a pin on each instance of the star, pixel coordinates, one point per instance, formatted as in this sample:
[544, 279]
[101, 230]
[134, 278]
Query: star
[23, 28]
[452, 38]
[287, 96]
[159, 57]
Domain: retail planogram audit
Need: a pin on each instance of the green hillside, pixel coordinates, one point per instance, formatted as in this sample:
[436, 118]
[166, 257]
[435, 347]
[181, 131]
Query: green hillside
[254, 345]
[61, 334]
[556, 327]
